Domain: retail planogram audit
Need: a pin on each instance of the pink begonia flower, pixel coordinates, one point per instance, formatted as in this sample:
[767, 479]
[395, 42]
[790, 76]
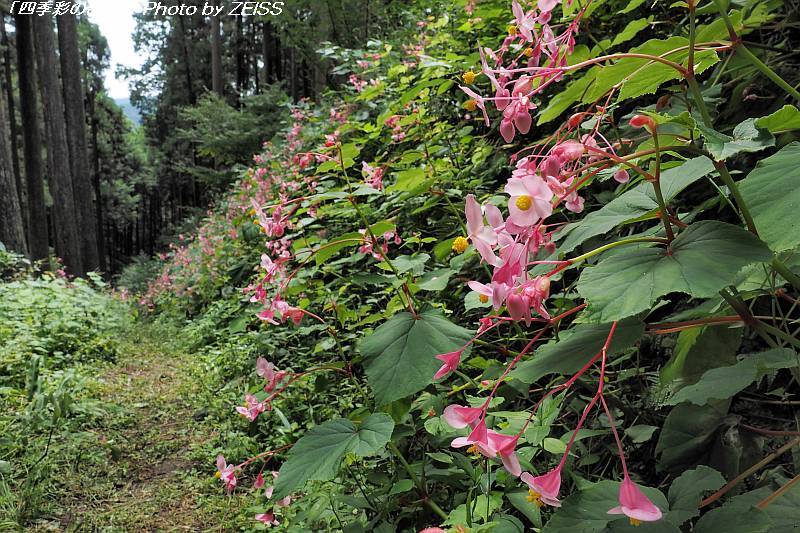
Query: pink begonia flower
[515, 117]
[283, 502]
[568, 151]
[622, 176]
[479, 437]
[634, 504]
[295, 314]
[478, 101]
[450, 360]
[483, 237]
[530, 200]
[459, 416]
[433, 530]
[504, 446]
[547, 6]
[226, 472]
[268, 519]
[266, 370]
[252, 409]
[523, 21]
[544, 489]
[643, 121]
[259, 482]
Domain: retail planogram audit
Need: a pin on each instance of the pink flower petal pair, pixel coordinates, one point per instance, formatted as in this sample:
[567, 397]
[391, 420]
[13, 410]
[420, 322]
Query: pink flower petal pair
[634, 504]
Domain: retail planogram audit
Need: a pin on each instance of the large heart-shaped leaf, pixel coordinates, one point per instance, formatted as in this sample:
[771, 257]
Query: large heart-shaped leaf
[772, 193]
[723, 382]
[635, 203]
[687, 435]
[576, 347]
[319, 453]
[401, 352]
[784, 119]
[699, 262]
[687, 491]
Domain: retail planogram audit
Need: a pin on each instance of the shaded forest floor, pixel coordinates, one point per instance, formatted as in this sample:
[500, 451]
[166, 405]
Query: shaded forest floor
[154, 469]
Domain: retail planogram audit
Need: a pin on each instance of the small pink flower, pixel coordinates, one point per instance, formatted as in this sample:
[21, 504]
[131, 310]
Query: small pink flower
[268, 519]
[252, 409]
[226, 472]
[458, 416]
[634, 504]
[450, 360]
[622, 176]
[479, 437]
[259, 482]
[530, 200]
[433, 530]
[544, 489]
[504, 446]
[643, 121]
[483, 237]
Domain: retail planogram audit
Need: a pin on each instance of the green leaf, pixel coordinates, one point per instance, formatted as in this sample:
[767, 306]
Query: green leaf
[635, 203]
[435, 280]
[319, 453]
[401, 352]
[415, 263]
[519, 499]
[409, 180]
[687, 491]
[724, 382]
[734, 519]
[640, 76]
[784, 119]
[458, 516]
[628, 33]
[772, 194]
[640, 433]
[699, 350]
[575, 348]
[746, 138]
[700, 261]
[586, 511]
[686, 437]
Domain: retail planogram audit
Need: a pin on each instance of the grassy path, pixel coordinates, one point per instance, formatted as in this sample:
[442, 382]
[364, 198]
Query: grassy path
[153, 472]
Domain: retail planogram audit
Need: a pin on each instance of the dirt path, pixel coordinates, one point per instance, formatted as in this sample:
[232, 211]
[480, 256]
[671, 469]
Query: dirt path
[152, 473]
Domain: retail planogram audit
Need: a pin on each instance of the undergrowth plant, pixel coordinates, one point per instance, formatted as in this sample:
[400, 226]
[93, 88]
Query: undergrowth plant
[587, 326]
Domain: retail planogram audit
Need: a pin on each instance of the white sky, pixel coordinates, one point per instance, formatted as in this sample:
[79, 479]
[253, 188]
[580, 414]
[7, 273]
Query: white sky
[115, 19]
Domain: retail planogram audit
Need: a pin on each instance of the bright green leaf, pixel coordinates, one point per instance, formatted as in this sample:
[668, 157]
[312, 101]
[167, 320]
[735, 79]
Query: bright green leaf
[401, 352]
[702, 260]
[319, 453]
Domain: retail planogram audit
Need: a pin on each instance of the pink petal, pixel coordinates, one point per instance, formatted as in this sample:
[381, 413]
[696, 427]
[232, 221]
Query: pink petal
[511, 463]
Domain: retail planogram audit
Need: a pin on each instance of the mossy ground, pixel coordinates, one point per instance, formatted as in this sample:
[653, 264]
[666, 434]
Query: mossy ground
[153, 468]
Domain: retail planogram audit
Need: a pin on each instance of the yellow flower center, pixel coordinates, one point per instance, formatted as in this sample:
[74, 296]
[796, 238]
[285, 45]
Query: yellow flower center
[512, 30]
[468, 77]
[636, 522]
[474, 451]
[460, 244]
[471, 105]
[524, 202]
[217, 474]
[483, 298]
[535, 497]
[528, 52]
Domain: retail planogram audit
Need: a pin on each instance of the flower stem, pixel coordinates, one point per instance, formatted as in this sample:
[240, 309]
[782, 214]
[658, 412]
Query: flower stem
[740, 203]
[781, 268]
[420, 486]
[662, 205]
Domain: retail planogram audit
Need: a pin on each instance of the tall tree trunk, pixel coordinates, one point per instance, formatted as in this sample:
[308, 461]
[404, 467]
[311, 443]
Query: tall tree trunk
[32, 139]
[216, 56]
[12, 233]
[12, 117]
[75, 113]
[266, 36]
[187, 64]
[68, 244]
[98, 206]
